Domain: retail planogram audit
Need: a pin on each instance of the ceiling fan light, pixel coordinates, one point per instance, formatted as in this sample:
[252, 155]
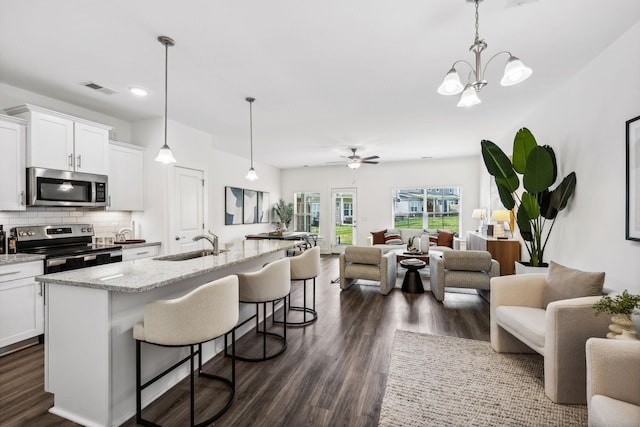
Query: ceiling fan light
[165, 155]
[469, 97]
[515, 72]
[451, 84]
[353, 165]
[252, 175]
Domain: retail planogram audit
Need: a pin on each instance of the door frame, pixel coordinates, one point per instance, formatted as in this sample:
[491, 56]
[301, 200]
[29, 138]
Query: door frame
[335, 247]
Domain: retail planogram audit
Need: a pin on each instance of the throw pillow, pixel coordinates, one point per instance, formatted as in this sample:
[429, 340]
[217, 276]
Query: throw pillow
[445, 239]
[378, 237]
[564, 283]
[392, 239]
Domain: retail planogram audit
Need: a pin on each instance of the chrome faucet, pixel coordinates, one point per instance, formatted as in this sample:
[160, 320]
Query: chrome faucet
[213, 241]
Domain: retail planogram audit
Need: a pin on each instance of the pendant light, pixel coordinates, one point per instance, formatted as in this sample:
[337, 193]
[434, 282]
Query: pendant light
[251, 175]
[165, 156]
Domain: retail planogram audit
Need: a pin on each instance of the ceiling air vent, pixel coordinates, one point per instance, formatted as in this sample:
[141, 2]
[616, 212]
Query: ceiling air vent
[99, 88]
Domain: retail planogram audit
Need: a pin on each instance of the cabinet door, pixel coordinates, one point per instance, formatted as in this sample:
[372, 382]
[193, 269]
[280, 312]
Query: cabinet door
[126, 178]
[129, 254]
[50, 142]
[21, 310]
[12, 184]
[91, 149]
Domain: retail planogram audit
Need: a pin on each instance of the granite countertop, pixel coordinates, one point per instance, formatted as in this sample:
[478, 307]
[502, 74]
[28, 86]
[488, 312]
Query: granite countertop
[136, 245]
[148, 273]
[7, 259]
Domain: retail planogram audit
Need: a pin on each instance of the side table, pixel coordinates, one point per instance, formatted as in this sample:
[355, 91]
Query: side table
[412, 283]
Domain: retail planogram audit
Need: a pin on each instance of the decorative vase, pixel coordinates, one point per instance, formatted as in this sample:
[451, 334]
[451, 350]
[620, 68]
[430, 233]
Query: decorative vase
[620, 322]
[627, 334]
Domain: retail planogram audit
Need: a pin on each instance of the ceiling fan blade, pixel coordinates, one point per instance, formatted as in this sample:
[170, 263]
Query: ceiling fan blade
[371, 158]
[369, 162]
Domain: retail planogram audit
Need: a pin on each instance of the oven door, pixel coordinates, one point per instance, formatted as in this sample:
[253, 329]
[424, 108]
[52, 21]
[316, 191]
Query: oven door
[54, 265]
[48, 187]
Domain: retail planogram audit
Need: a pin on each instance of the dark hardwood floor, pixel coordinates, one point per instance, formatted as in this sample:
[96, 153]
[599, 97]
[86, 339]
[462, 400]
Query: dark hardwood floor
[333, 372]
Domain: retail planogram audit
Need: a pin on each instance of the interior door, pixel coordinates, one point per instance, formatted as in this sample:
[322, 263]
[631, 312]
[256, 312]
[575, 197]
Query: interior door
[344, 218]
[188, 209]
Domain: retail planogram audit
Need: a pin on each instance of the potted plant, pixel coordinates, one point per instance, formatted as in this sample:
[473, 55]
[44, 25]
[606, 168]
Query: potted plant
[620, 308]
[284, 212]
[538, 206]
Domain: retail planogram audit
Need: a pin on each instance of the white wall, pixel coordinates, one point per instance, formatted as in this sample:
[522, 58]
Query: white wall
[192, 148]
[584, 122]
[374, 184]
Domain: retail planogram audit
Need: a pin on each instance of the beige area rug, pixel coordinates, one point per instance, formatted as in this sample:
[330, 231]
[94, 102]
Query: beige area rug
[448, 381]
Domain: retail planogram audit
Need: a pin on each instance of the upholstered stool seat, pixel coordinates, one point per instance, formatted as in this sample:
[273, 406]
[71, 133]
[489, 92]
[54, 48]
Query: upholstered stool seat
[272, 283]
[207, 312]
[305, 266]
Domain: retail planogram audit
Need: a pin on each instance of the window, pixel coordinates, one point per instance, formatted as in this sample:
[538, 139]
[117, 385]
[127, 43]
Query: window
[307, 212]
[433, 208]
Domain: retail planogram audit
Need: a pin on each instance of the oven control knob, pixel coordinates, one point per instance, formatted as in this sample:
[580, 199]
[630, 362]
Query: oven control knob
[31, 233]
[22, 233]
[89, 230]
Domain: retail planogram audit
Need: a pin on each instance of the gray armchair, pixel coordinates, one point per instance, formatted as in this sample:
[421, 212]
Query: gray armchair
[369, 263]
[461, 269]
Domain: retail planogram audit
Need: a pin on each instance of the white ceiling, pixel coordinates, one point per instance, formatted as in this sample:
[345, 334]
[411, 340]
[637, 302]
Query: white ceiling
[327, 75]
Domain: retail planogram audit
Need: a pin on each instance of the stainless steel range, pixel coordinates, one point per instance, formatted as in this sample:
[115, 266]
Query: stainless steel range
[65, 246]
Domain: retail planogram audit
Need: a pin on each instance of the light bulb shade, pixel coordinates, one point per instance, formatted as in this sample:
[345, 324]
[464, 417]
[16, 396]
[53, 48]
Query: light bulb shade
[252, 175]
[515, 72]
[165, 155]
[469, 97]
[500, 215]
[353, 165]
[451, 84]
[478, 214]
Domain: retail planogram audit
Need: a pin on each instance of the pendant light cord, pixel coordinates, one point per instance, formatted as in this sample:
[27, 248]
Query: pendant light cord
[251, 129]
[166, 79]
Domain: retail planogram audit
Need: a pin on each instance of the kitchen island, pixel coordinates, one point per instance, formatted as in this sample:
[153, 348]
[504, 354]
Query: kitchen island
[89, 317]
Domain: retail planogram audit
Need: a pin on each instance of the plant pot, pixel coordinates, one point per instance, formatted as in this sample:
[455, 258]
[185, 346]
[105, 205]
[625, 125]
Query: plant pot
[525, 268]
[620, 323]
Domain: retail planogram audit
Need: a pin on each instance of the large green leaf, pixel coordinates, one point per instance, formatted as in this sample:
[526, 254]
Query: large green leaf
[530, 205]
[499, 165]
[523, 143]
[538, 175]
[553, 160]
[546, 209]
[563, 192]
[506, 196]
[522, 219]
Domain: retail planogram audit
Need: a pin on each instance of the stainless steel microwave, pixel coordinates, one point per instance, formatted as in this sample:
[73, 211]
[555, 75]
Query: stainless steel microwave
[50, 187]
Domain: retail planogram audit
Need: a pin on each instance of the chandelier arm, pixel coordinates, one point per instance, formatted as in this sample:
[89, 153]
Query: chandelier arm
[464, 62]
[491, 59]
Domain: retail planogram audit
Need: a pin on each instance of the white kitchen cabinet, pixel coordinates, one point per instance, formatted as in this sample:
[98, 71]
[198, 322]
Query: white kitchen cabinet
[129, 254]
[12, 152]
[62, 142]
[126, 177]
[21, 302]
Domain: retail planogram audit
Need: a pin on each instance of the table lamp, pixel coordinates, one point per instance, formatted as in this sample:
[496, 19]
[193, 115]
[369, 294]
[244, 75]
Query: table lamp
[500, 216]
[479, 214]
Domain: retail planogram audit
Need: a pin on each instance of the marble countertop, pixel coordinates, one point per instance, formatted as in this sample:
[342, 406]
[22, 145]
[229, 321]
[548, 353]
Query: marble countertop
[145, 274]
[136, 245]
[7, 259]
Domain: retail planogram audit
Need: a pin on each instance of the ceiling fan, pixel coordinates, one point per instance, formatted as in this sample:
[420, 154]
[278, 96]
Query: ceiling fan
[355, 161]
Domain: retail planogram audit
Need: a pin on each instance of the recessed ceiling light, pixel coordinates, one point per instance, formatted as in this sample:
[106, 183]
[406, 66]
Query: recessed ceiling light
[138, 91]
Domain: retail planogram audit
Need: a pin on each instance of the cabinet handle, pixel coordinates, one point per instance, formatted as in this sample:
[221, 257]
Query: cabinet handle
[9, 273]
[109, 202]
[40, 293]
[22, 198]
[178, 237]
[79, 162]
[142, 253]
[71, 161]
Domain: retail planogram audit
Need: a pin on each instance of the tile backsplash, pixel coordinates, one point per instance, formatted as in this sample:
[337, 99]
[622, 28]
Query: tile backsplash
[105, 223]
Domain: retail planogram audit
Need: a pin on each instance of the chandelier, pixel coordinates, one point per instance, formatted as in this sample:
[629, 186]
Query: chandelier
[514, 72]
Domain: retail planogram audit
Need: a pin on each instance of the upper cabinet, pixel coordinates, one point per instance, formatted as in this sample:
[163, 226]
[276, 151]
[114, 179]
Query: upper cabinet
[126, 177]
[62, 142]
[12, 150]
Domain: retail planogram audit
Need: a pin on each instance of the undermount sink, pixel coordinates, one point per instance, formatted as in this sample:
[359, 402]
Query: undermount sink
[188, 255]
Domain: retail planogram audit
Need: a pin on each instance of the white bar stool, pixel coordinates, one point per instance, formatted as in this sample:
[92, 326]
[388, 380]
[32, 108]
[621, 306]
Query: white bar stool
[207, 312]
[269, 284]
[305, 266]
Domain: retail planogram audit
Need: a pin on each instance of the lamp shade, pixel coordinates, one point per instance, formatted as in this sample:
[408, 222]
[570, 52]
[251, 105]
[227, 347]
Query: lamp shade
[469, 97]
[165, 155]
[252, 175]
[451, 84]
[478, 214]
[515, 72]
[353, 165]
[500, 215]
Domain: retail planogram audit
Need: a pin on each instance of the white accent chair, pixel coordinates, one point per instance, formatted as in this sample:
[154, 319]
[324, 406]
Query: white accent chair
[269, 284]
[520, 324]
[461, 269]
[203, 314]
[613, 382]
[368, 263]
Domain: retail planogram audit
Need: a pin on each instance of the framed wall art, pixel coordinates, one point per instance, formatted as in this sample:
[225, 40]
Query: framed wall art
[633, 179]
[250, 206]
[233, 201]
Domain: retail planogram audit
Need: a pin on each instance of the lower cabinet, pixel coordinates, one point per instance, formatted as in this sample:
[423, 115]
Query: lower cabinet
[129, 254]
[21, 302]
